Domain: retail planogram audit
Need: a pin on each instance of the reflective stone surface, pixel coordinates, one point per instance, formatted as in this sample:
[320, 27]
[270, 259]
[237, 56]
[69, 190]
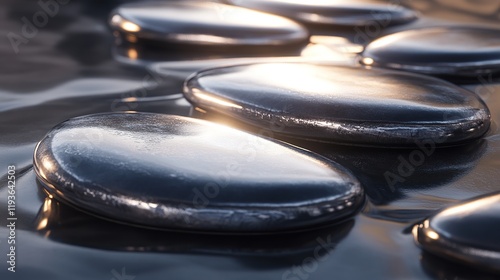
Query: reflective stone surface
[333, 12]
[204, 25]
[447, 51]
[341, 104]
[467, 232]
[60, 67]
[180, 173]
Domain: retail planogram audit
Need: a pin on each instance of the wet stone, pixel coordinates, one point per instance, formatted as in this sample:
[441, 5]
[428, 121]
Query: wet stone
[341, 104]
[204, 26]
[446, 51]
[467, 233]
[333, 12]
[174, 172]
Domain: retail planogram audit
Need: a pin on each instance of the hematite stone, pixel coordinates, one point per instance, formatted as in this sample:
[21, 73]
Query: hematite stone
[333, 12]
[341, 104]
[206, 24]
[174, 172]
[448, 51]
[467, 232]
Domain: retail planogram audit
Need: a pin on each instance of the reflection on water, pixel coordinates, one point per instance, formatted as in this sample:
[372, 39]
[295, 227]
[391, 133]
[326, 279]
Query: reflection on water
[390, 175]
[442, 269]
[341, 44]
[184, 69]
[141, 55]
[61, 223]
[84, 96]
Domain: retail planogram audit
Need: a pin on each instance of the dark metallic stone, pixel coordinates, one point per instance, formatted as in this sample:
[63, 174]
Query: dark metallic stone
[174, 172]
[341, 104]
[467, 232]
[333, 12]
[445, 51]
[204, 25]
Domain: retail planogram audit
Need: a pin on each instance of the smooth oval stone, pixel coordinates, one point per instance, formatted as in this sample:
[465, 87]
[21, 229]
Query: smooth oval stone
[341, 104]
[205, 24]
[455, 51]
[175, 172]
[333, 12]
[467, 232]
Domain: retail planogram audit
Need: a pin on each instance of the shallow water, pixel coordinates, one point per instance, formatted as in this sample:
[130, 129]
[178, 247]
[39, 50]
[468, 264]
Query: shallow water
[68, 70]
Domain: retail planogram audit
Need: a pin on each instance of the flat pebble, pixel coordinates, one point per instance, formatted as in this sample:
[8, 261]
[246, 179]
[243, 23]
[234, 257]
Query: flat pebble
[174, 172]
[467, 233]
[341, 104]
[334, 12]
[203, 25]
[447, 51]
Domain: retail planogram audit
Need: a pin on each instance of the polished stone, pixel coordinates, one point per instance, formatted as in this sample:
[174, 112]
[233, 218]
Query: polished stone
[333, 12]
[341, 104]
[204, 24]
[174, 172]
[449, 51]
[467, 232]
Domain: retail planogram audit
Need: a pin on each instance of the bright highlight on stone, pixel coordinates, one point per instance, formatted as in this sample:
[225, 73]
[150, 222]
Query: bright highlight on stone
[341, 104]
[173, 172]
[445, 51]
[208, 24]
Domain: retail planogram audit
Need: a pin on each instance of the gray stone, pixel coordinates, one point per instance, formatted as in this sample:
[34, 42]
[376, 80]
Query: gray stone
[175, 172]
[344, 13]
[467, 233]
[204, 25]
[446, 51]
[341, 104]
